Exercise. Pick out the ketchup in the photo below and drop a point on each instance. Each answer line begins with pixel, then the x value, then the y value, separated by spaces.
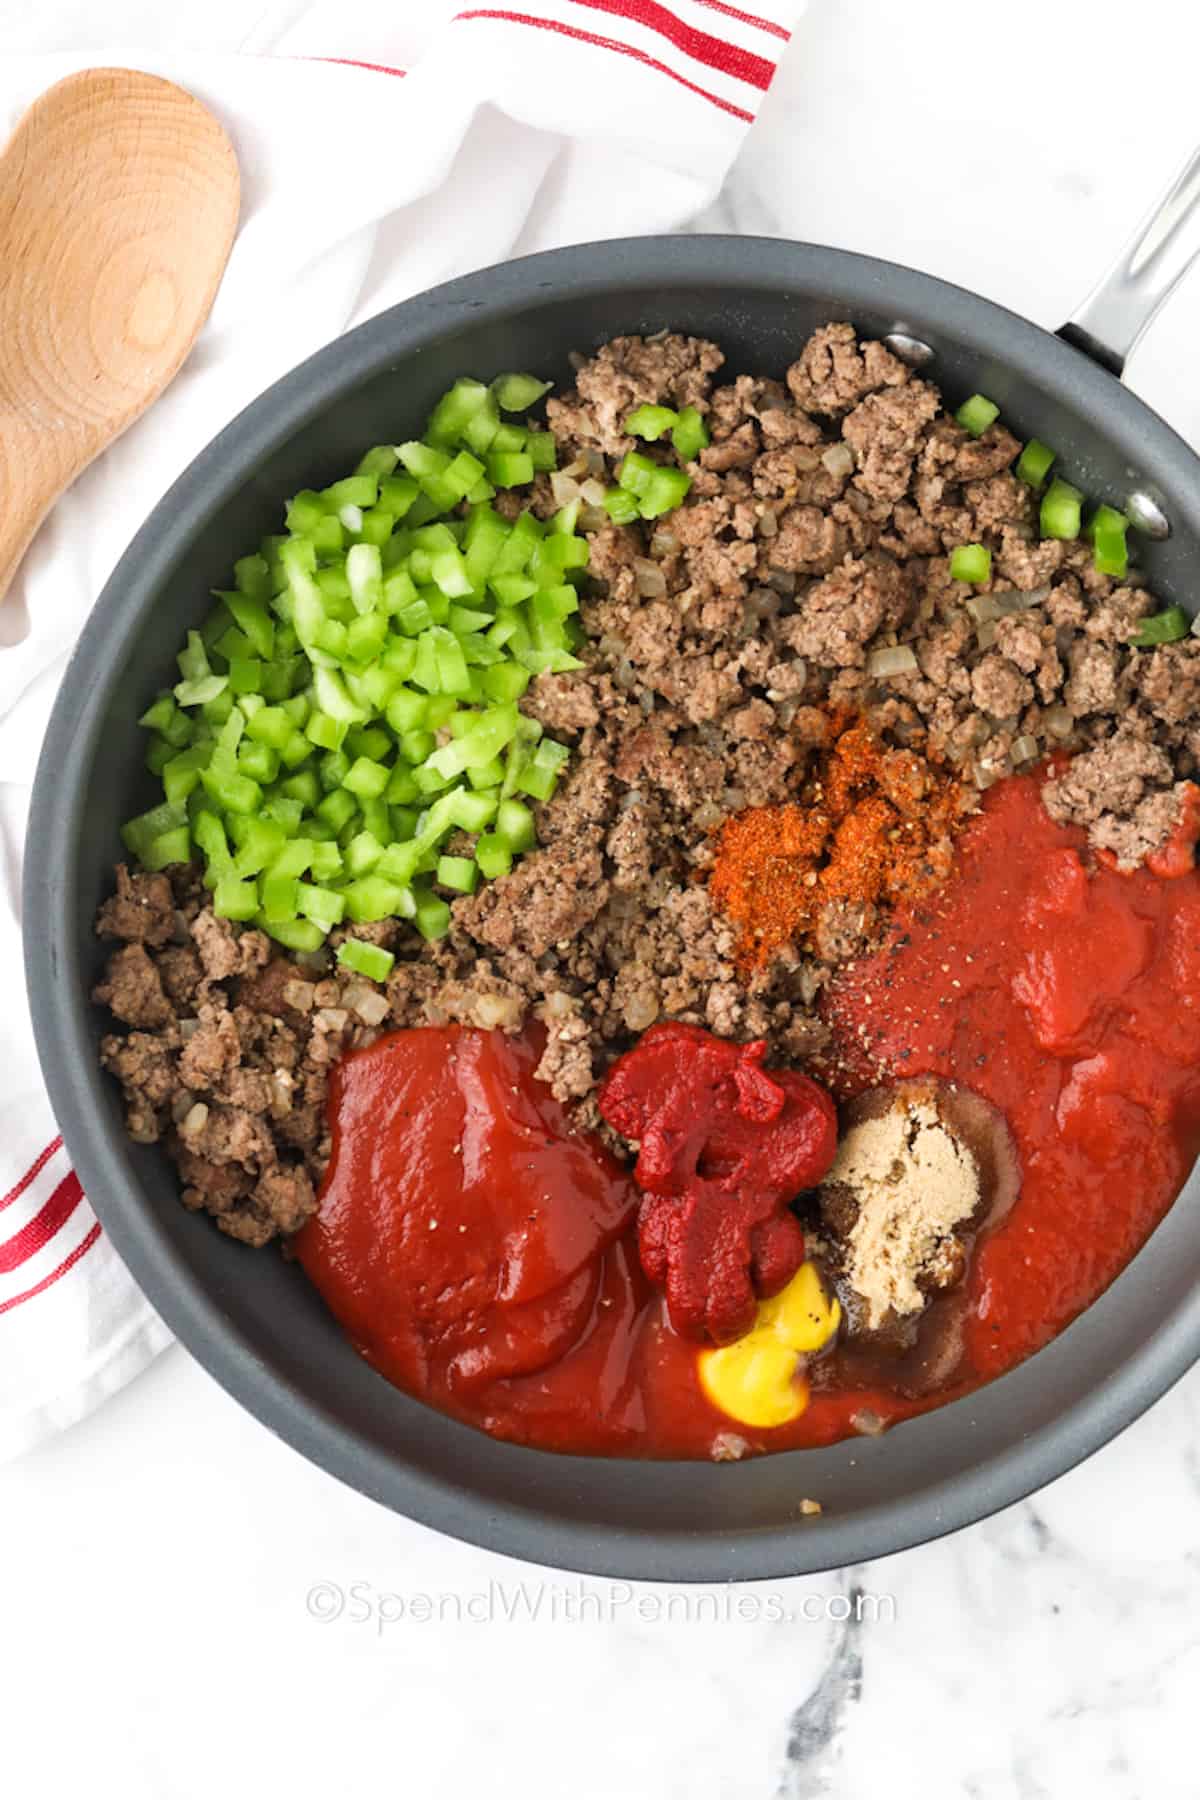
pixel 725 1146
pixel 462 1230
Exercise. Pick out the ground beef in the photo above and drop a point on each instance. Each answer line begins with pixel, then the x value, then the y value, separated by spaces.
pixel 212 1049
pixel 885 432
pixel 227 1060
pixel 816 534
pixel 840 615
pixel 834 371
pixel 629 372
pixel 142 911
pixel 998 686
pixel 550 897
pixel 133 991
pixel 1124 791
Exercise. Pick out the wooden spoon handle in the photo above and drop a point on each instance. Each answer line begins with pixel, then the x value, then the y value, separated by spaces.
pixel 35 467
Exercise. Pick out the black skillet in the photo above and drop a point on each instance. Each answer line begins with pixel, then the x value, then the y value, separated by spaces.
pixel 252 1320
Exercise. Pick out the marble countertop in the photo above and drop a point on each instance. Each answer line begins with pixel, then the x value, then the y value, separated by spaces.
pixel 188 1608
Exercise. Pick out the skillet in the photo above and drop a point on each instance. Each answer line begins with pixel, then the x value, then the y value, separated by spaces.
pixel 253 1321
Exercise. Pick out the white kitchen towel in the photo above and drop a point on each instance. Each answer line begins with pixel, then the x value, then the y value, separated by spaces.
pixel 470 134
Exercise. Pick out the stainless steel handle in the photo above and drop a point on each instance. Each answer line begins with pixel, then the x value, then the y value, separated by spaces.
pixel 1152 263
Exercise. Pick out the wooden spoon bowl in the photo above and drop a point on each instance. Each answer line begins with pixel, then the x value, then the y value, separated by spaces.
pixel 118 207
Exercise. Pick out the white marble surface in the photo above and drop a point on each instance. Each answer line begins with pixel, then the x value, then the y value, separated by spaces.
pixel 155 1638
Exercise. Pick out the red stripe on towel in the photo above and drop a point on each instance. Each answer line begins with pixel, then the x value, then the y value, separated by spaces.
pixel 603 43
pixel 352 62
pixel 35 1235
pixel 701 46
pixel 32 1172
pixel 745 18
pixel 81 1249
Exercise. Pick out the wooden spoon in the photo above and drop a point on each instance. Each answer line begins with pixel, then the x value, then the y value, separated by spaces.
pixel 118 207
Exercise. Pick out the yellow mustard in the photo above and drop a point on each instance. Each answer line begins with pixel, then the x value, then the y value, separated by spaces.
pixel 759 1379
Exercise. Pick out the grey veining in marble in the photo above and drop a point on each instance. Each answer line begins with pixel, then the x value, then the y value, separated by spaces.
pixel 816 1728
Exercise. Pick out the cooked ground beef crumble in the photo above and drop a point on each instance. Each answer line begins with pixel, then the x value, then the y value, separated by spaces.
pixel 816 534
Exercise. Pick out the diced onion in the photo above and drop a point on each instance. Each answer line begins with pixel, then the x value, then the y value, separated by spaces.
pixel 333 1018
pixel 593 518
pixel 893 659
pixel 663 543
pixel 1025 748
pixel 985 634
pixel 1058 722
pixel 592 492
pixel 762 603
pixel 195 1120
pixel 983 607
pixel 497 1012
pixel 640 1012
pixel 564 487
pixel 768 524
pixel 650 579
pixel 365 1000
pixel 867 1422
pixel 811 980
pixel 595 462
pixel 557 1005
pixel 299 995
pixel 188 1029
pixel 838 460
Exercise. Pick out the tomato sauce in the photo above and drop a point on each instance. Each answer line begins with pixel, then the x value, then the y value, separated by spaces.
pixel 485 1259
pixel 1068 994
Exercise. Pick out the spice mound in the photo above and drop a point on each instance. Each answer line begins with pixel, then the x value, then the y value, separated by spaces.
pixel 919 1167
pixel 724 1146
pixel 873 827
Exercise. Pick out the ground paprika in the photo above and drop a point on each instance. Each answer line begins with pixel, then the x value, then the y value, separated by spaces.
pixel 872 828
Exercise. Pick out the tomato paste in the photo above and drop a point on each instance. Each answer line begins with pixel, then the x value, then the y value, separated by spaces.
pixel 724 1147
pixel 486 1259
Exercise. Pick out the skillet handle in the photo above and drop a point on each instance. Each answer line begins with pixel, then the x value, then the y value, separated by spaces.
pixel 1157 257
